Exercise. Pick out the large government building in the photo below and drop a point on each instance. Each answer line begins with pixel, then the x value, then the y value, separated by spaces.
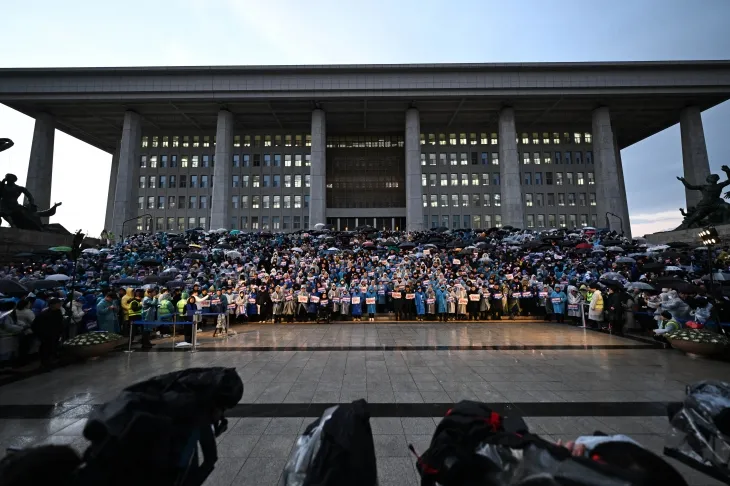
pixel 282 148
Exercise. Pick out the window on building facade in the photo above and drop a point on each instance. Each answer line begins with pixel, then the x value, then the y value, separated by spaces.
pixel 475 179
pixel 485 158
pixel 256 181
pixel 153 161
pixel 465 200
pixel 433 201
pixel 527 178
pixel 539 200
pixel 171 202
pixel 463 159
pixel 551 199
pixel 551 220
pixel 266 202
pixel 576 138
pixel 485 179
pixel 181 202
pixel 287 180
pixel 579 178
pixel 540 220
pixel 464 179
pixel 577 157
pixel 266 181
pixel 548 178
pixel 561 220
pixel 591 178
pixel 432 180
pixel 204 181
pixel 152 182
pixel 535 138
pixel 568 158
pixel 495 178
pixel 203 202
pixel 423 159
pixel 442 159
pixel 454 179
pixel 569 178
pixel 571 199
pixel 276 181
pixel 476 200
pixel 545 138
pixel 143 162
pixel 528 199
pixel 193 181
pixel 558 178
pixel 235 181
pixel 444 200
pixel 424 200
pixel 526 158
pixel 525 138
pixel 255 202
pixel 582 199
pixel 487 200
pixel 297 180
pixel 497 199
pixel 530 221
pixel 424 180
pixel 589 157
pixel 140 202
pixel 558 159
pixel 495 158
pixel 192 202
pixel 536 158
pixel 584 220
pixel 546 158
pixel 455 200
pixel 297 202
pixel 561 199
pixel 452 139
pixel 163 182
pixel 142 180
pixel 286 222
pixel 205 161
pixel 452 159
pixel 538 178
pixel 173 161
pixel 235 202
pixel 592 198
pixel 444 180
pixel 287 202
pixel 306 200
pixel 462 139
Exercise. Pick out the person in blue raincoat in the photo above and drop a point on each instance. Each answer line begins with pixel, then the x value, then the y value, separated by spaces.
pixel 252 310
pixel 313 306
pixel 356 301
pixel 558 298
pixel 106 314
pixel 372 308
pixel 441 306
pixel 420 304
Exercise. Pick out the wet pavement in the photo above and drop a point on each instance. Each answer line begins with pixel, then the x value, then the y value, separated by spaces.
pixel 565 381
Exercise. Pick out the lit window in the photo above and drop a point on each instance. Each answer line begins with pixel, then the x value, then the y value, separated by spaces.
pixel 277 141
pixel 472 139
pixel 546 138
pixel 140 202
pixel 463 159
pixel 561 199
pixel 287 202
pixel 143 162
pixel 247 140
pixel 546 158
pixel 423 180
pixel 487 200
pixel 536 158
pixel 152 182
pixel 432 180
pixel 256 181
pixel 556 140
pixel 307 160
pixel 591 179
pixel 497 200
pixel 455 200
pixel 442 139
pixel 579 177
pixel 528 199
pixel 561 219
pixel 166 143
pixel 475 179
pixel 194 161
pixel 145 141
pixel 485 179
pixel 267 140
pixel 434 201
pixel 206 141
pixel 558 178
pixel 442 159
pixel 454 179
pixel 452 139
pixel 297 180
pixel 423 159
pixel 525 139
pixel 483 138
pixel 424 199
pixel 526 158
pixel 465 200
pixel 297 160
pixel 464 179
pixel 576 137
pixel 462 139
pixel 587 137
pixel 431 139
pixel 151 202
pixel 494 138
pixel 452 159
pixel 266 202
pixel 236 140
pixel 297 202
pixel 175 141
pixel 535 138
pixel 495 158
pixel 444 200
pixel 256 202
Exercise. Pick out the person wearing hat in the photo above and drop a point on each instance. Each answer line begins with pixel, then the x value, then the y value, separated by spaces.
pixel 595 309
pixel 558 298
pixel 48 328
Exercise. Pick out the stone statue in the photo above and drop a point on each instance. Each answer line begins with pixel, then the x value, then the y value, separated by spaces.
pixel 711 209
pixel 19 216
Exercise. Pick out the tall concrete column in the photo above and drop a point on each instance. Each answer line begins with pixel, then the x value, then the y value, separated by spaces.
pixel 414 200
pixel 109 217
pixel 220 206
pixel 318 169
pixel 513 210
pixel 694 152
pixel 40 165
pixel 610 192
pixel 127 188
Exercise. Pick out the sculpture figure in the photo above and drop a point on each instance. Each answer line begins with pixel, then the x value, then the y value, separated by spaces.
pixel 17 215
pixel 711 209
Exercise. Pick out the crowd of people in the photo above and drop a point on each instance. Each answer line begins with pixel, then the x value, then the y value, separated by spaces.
pixel 582 276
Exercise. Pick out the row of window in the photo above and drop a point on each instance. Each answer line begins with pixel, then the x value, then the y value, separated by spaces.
pixel 487 158
pixel 489 200
pixel 535 138
pixel 483 138
pixel 238 160
pixel 196 141
pixel 487 221
pixel 270 180
pixel 278 223
pixel 203 181
pixel 237 202
pixel 484 179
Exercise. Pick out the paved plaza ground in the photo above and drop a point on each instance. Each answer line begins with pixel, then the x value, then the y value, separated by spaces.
pixel 565 381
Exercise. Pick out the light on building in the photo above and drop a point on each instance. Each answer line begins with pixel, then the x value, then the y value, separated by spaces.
pixel 709 236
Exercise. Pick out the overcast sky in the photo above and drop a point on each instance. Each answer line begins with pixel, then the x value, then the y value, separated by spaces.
pixel 47 33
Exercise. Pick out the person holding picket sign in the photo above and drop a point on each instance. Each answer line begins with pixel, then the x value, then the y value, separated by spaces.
pixel 370 300
pixel 558 298
pixel 356 304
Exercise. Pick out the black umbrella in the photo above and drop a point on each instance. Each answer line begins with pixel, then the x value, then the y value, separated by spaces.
pixel 652 267
pixel 406 245
pixel 151 279
pixel 9 286
pixel 225 246
pixel 552 238
pixel 611 283
pixel 24 254
pixel 45 284
pixel 678 244
pixel 175 284
pixel 611 243
pixel 483 244
pixel 456 244
pixel 195 256
pixel 671 254
pixel 180 247
pixel 466 252
pixel 440 229
pixel 149 262
pixel 508 227
pixel 128 281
